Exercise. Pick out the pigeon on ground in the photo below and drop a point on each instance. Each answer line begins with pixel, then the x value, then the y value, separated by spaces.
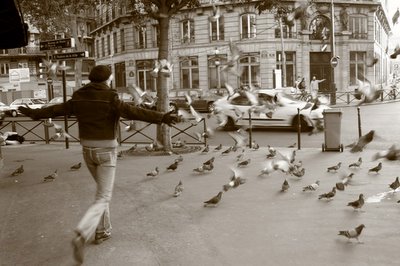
pixel 235 180
pixel 292 145
pixel 254 146
pixel 206 149
pixel 210 161
pixel 154 172
pixel 312 187
pixel 362 142
pixel 335 167
pixel 395 184
pixel 285 186
pixel 18 171
pixel 178 189
pixel 376 169
pixel 353 233
pixel 208 167
pixel 173 166
pixel 346 180
pixel 272 152
pixel 244 163
pixel 328 195
pixel 219 147
pixel 357 204
pixel 299 172
pixel 76 166
pixel 240 157
pixel 214 200
pixel 356 164
pixel 50 177
pixel 228 150
pixel 199 169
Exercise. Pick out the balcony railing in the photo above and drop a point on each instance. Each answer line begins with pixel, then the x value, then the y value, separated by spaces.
pixel 30 50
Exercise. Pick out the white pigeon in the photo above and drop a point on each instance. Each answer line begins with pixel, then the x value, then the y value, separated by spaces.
pixel 312 187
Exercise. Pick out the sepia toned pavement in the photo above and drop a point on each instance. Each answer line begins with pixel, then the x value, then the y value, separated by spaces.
pixel 254 224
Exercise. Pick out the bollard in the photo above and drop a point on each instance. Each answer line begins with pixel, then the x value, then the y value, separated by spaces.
pixel 298 129
pixel 205 132
pixel 359 122
pixel 250 130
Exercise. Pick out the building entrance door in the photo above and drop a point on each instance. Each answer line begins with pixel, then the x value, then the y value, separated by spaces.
pixel 320 68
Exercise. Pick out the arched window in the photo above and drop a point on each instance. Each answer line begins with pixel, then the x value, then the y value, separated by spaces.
pixel 320 28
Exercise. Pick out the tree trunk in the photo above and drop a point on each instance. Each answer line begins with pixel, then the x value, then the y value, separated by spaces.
pixel 163 131
pixel 283 54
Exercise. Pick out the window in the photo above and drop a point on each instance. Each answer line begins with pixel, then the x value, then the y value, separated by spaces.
pixel 141 38
pixel 189 72
pixel 115 42
pixel 217 29
pixel 145 80
pixel 4 68
pixel 358 27
pixel 250 65
pixel 120 75
pixel 103 48
pixel 289 29
pixel 290 66
pixel 23 65
pixel 122 40
pixel 319 27
pixel 3 51
pixel 156 35
pixel 357 67
pixel 187 30
pixel 108 45
pixel 216 79
pixel 98 48
pixel 248 26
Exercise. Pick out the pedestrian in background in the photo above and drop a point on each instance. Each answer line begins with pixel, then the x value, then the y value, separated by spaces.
pixel 98 109
pixel 314 86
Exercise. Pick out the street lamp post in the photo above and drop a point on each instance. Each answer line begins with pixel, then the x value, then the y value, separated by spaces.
pixel 333 56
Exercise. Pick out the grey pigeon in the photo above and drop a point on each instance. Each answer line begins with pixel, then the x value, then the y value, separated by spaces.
pixel 362 142
pixel 356 164
pixel 328 195
pixel 173 166
pixel 285 186
pixel 357 204
pixel 335 167
pixel 395 185
pixel 214 200
pixel 376 169
pixel 353 233
pixel 312 187
pixel 178 189
pixel 76 166
pixel 18 171
pixel 50 177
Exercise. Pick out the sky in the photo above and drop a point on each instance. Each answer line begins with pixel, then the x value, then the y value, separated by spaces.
pixel 392 7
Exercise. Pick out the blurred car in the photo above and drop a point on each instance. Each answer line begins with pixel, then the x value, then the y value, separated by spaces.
pixel 273 108
pixel 33 103
pixel 199 103
pixel 56 100
pixel 5 109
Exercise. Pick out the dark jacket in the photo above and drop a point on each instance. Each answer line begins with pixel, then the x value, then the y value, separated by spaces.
pixel 98 110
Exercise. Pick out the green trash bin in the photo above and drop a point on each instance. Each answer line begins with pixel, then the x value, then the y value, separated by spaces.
pixel 332 128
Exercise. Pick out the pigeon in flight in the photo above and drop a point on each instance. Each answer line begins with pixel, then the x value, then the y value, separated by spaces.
pixel 390 154
pixel 244 163
pixel 362 142
pixel 53 68
pixel 367 90
pixel 216 13
pixel 353 233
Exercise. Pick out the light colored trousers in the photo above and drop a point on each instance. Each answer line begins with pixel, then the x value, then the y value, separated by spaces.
pixel 101 163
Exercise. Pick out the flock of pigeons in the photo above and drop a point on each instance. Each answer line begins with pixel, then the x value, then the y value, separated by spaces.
pixel 278 161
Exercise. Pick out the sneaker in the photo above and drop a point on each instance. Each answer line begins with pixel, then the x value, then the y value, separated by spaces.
pixel 78 244
pixel 100 237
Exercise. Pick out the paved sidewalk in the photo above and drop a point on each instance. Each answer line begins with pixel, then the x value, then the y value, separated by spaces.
pixel 255 224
